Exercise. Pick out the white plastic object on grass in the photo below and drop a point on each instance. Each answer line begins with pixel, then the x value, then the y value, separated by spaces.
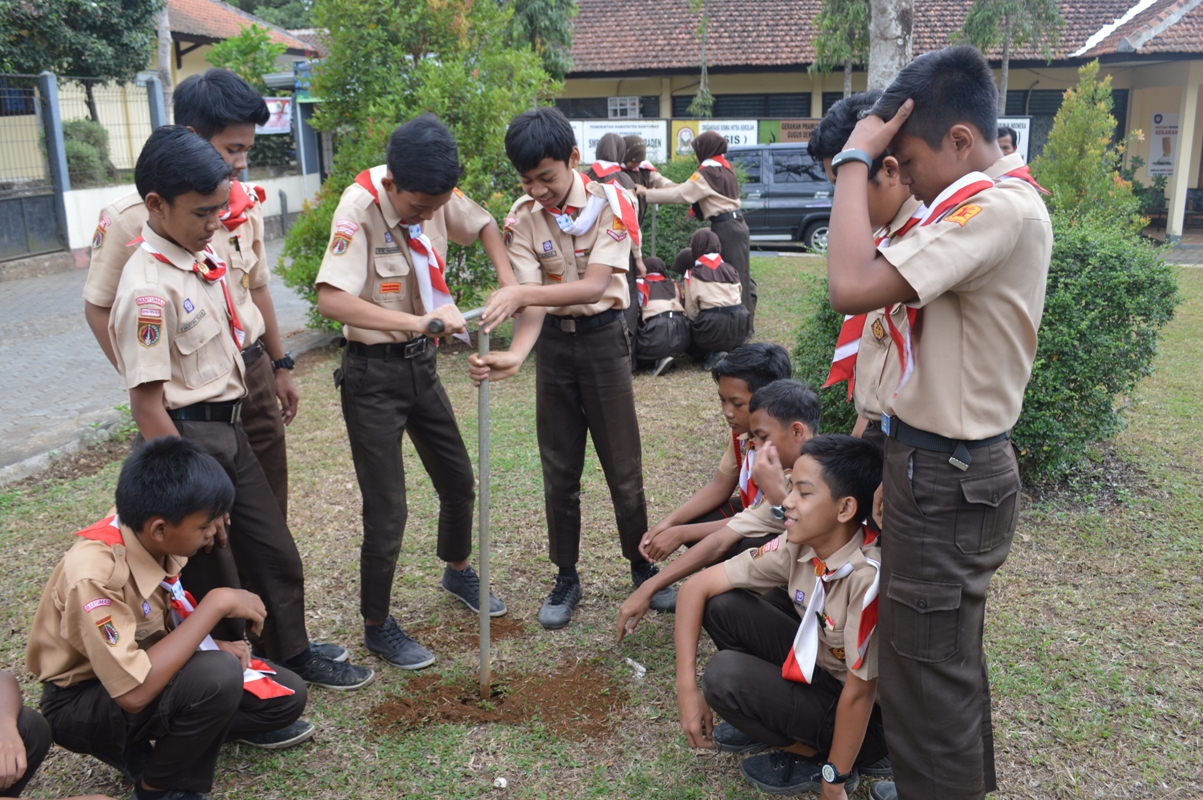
pixel 500 783
pixel 640 670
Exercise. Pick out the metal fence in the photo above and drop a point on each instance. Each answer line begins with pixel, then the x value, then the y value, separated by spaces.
pixel 23 168
pixel 105 125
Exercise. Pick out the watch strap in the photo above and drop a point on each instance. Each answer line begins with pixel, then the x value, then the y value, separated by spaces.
pixel 832 775
pixel 851 154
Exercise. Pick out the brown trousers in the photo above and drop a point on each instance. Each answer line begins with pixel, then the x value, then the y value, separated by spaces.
pixel 945 534
pixel 733 234
pixel 261 556
pixel 383 399
pixel 264 426
pixel 583 385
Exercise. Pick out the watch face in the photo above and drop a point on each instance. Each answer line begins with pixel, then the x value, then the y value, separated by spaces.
pixel 829 773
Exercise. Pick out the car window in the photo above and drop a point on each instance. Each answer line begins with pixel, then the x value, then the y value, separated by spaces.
pixel 796 167
pixel 749 161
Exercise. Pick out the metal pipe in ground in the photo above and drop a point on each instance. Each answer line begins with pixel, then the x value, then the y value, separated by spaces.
pixel 483 471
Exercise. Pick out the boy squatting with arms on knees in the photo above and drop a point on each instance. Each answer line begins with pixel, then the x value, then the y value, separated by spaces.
pixel 806 687
pixel 382 277
pixel 784 416
pixel 177 335
pixel 973 274
pixel 124 656
pixel 569 242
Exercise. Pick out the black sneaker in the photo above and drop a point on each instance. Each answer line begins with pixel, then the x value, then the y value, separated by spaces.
pixel 665 600
pixel 557 611
pixel 886 790
pixel 465 587
pixel 334 652
pixel 779 772
pixel 662 366
pixel 731 739
pixel 338 675
pixel 881 768
pixel 394 645
pixel 294 734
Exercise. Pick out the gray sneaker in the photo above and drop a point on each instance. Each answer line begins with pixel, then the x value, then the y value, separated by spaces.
pixel 665 600
pixel 394 645
pixel 779 772
pixel 465 587
pixel 557 611
pixel 881 768
pixel 662 366
pixel 884 791
pixel 334 652
pixel 288 736
pixel 731 739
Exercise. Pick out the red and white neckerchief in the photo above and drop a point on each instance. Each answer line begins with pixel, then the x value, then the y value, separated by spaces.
pixel 604 168
pixel 645 291
pixel 429 267
pixel 647 165
pixel 1025 175
pixel 749 492
pixel 211 268
pixel 945 203
pixel 255 678
pixel 242 197
pixel 717 161
pixel 847 344
pixel 618 201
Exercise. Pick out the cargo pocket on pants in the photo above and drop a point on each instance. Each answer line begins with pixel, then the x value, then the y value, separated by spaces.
pixel 926 618
pixel 991 511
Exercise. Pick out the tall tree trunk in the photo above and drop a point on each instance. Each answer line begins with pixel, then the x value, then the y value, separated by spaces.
pixel 847 77
pixel 1004 73
pixel 164 61
pixel 889 39
pixel 90 100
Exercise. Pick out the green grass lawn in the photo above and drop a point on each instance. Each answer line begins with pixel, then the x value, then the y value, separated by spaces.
pixel 1093 630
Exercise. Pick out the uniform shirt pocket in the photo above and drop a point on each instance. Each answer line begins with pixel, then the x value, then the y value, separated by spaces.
pixel 202 357
pixel 553 270
pixel 389 280
pixel 990 511
pixel 926 618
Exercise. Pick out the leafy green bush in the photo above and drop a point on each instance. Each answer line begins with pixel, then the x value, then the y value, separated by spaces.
pixel 814 345
pixel 250 55
pixel 85 167
pixel 674 224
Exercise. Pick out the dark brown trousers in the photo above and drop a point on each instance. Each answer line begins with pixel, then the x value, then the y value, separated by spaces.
pixel 382 399
pixel 945 533
pixel 583 385
pixel 264 426
pixel 261 556
pixel 202 705
pixel 733 234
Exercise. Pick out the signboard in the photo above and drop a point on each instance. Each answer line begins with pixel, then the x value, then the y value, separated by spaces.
pixel 798 130
pixel 1023 133
pixel 653 131
pixel 1163 147
pixel 684 132
pixel 280 120
pixel 735 131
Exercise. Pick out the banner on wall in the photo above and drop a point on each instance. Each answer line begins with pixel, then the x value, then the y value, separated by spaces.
pixel 654 132
pixel 735 131
pixel 280 120
pixel 1163 147
pixel 1023 133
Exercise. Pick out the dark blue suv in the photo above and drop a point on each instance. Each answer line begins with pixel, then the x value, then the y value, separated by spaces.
pixel 786 195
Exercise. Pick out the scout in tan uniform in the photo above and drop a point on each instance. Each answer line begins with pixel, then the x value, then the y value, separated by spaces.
pixel 718 321
pixel 177 338
pixel 778 680
pixel 713 191
pixel 382 277
pixel 223 109
pixel 663 327
pixel 784 417
pixel 642 171
pixel 569 242
pixel 972 275
pixel 125 656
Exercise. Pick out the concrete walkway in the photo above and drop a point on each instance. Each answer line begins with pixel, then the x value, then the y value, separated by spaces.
pixel 60 393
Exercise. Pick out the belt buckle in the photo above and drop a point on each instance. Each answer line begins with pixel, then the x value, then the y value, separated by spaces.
pixel 568 325
pixel 415 348
pixel 960 457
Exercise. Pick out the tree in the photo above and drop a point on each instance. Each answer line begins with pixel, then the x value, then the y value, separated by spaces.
pixel 92 39
pixel 163 53
pixel 1012 24
pixel 250 55
pixel 289 14
pixel 546 25
pixel 889 39
pixel 843 38
pixel 703 101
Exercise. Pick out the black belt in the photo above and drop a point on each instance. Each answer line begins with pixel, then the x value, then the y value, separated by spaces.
pixel 669 314
pixel 723 309
pixel 228 413
pixel 726 215
pixel 251 354
pixel 924 440
pixel 411 349
pixel 582 324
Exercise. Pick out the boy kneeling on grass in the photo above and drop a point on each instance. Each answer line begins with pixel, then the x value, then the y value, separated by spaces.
pixel 124 654
pixel 808 689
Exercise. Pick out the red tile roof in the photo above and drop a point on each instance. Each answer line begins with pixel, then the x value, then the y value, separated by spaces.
pixel 213 19
pixel 314 37
pixel 779 33
pixel 1166 26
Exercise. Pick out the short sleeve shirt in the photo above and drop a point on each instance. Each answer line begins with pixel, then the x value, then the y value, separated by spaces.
pixel 729 464
pixel 695 190
pixel 784 563
pixel 170 324
pixel 100 611
pixel 368 255
pixel 980 277
pixel 120 223
pixel 758 520
pixel 541 253
pixel 243 251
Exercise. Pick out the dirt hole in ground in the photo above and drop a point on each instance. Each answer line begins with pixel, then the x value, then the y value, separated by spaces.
pixel 575 701
pixel 464 633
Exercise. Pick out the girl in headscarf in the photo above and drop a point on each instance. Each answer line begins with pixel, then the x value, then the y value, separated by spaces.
pixel 718 321
pixel 664 328
pixel 713 191
pixel 641 171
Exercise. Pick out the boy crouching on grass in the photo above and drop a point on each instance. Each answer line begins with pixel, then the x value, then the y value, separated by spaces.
pixel 808 689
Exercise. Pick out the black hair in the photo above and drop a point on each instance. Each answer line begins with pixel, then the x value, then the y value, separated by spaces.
pixel 832 132
pixel 950 87
pixel 757 364
pixel 535 135
pixel 172 478
pixel 1005 131
pixel 175 161
pixel 788 401
pixel 851 467
pixel 216 99
pixel 423 157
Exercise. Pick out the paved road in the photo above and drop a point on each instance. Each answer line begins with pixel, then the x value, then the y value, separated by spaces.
pixel 59 389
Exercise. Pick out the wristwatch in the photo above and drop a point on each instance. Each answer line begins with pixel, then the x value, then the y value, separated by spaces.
pixel 778 512
pixel 832 775
pixel 284 363
pixel 851 154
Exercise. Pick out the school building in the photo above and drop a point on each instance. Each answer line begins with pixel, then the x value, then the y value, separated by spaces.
pixel 636 65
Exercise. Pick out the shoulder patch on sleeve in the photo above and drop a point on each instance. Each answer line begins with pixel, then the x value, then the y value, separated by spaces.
pixel 108 631
pixel 963 215
pixel 150 300
pixel 457 192
pixel 694 176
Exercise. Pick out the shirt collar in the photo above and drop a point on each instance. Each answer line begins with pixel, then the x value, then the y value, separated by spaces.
pixel 577 196
pixel 391 217
pixel 840 557
pixel 1004 165
pixel 905 212
pixel 178 256
pixel 147 572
